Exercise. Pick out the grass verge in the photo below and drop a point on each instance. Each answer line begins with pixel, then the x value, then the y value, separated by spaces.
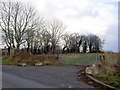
pixel 109 70
pixel 6 62
pixel 48 59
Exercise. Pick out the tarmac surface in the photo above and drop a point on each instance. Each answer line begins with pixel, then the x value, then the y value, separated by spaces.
pixel 41 77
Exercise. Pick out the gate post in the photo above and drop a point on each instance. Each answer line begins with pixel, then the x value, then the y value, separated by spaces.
pixel 97 58
pixel 59 58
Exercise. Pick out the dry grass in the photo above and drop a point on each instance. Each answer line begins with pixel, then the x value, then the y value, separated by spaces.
pixel 109 70
pixel 49 59
pixel 111 62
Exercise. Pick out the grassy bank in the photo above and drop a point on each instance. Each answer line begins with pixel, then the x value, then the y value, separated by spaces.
pixel 109 69
pixel 49 59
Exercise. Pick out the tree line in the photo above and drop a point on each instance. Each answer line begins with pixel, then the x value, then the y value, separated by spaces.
pixel 82 43
pixel 23 28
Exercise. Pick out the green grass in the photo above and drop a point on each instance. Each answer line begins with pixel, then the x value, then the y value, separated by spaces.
pixel 79 59
pixel 6 61
pixel 111 78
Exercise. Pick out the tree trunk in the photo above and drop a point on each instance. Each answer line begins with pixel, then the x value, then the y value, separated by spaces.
pixel 28 47
pixel 18 47
pixel 90 48
pixel 53 49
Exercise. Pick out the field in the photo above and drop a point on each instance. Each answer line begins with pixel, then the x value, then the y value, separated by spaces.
pixel 79 59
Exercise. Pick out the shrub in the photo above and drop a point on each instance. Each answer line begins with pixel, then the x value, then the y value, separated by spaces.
pixel 48 59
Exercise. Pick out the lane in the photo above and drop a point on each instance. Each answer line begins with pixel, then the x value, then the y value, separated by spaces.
pixel 54 76
pixel 12 81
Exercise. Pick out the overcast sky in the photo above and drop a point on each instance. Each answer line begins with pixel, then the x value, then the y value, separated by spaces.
pixel 84 16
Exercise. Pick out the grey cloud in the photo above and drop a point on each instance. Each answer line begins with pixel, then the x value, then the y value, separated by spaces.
pixel 111 38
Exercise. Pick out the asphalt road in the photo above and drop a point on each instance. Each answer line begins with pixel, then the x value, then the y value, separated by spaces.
pixel 41 77
pixel 12 81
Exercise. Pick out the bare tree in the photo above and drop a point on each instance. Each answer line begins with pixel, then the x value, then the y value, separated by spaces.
pixel 79 39
pixel 75 41
pixel 33 32
pixel 55 29
pixel 66 39
pixel 5 20
pixel 85 43
pixel 95 43
pixel 98 43
pixel 19 19
pixel 46 41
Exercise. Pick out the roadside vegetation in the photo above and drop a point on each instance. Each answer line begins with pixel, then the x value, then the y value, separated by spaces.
pixel 6 62
pixel 109 69
pixel 48 59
